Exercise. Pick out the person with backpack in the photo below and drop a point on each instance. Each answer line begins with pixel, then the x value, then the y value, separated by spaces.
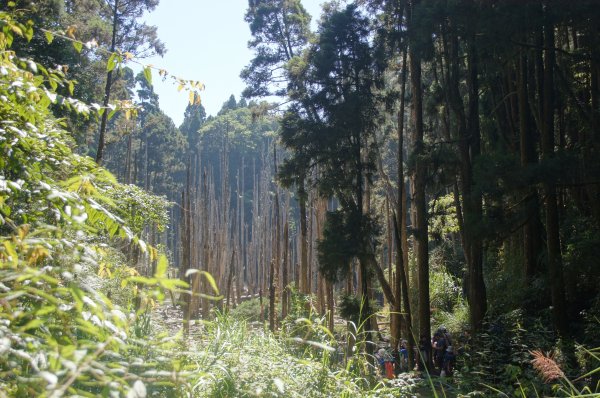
pixel 449 362
pixel 446 335
pixel 423 354
pixel 439 345
pixel 403 357
pixel 385 362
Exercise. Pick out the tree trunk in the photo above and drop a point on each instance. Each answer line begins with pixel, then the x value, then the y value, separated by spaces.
pixel 420 202
pixel 478 304
pixel 400 233
pixel 107 88
pixel 552 223
pixel 284 273
pixel 303 241
pixel 272 321
pixel 230 279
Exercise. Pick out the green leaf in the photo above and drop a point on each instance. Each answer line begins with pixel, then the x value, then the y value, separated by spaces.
pixel 78 46
pixel 112 62
pixel 45 310
pixel 49 37
pixel 211 281
pixel 148 75
pixel 142 280
pixel 10 249
pixel 28 33
pixel 172 284
pixel 161 268
pixel 34 323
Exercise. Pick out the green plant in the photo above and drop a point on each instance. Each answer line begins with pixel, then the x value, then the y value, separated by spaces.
pixel 499 357
pixel 60 227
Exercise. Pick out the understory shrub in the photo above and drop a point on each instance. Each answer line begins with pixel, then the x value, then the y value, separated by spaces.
pixel 500 357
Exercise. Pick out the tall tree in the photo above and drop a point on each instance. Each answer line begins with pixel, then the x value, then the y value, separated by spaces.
pixel 280 31
pixel 131 36
pixel 419 178
pixel 340 77
pixel 555 271
pixel 193 119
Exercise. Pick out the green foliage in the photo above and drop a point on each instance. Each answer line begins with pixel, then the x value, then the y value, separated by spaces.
pixel 445 288
pixel 234 360
pixel 140 208
pixel 194 117
pixel 280 30
pixel 443 221
pixel 350 308
pixel 248 311
pixel 582 259
pixel 300 304
pixel 241 138
pixel 500 356
pixel 59 217
pixel 504 280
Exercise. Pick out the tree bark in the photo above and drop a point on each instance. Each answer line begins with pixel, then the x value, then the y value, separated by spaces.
pixel 473 198
pixel 303 241
pixel 531 230
pixel 107 88
pixel 555 271
pixel 400 233
pixel 284 273
pixel 420 202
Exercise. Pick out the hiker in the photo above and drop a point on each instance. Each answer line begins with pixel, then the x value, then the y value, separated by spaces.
pixel 403 356
pixel 386 363
pixel 449 362
pixel 446 335
pixel 424 351
pixel 439 345
pixel 380 357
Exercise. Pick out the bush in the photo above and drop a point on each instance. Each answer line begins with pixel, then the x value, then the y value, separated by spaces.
pixel 59 227
pixel 249 310
pixel 500 356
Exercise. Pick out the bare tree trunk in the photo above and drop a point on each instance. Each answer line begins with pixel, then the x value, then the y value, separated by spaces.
pixel 330 306
pixel 284 273
pixel 276 241
pixel 272 321
pixel 304 286
pixel 128 161
pixel 230 279
pixel 185 263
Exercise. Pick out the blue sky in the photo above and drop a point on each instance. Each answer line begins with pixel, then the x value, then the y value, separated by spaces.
pixel 206 41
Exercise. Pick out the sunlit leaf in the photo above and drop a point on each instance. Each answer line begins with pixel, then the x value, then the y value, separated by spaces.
pixel 33 324
pixel 112 62
pixel 211 281
pixel 161 267
pixel 148 75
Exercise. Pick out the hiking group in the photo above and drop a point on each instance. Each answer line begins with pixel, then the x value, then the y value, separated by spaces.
pixel 440 347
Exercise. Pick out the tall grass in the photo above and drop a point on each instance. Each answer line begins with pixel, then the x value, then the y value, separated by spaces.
pixel 233 360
